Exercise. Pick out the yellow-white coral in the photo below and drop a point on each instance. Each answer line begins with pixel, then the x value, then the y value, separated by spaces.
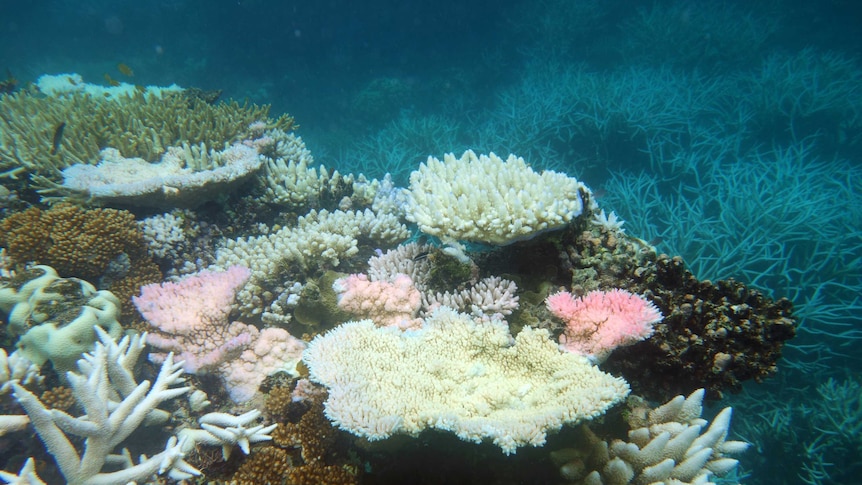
pixel 485 199
pixel 456 375
pixel 290 177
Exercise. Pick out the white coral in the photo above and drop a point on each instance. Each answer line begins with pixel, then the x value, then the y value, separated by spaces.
pixel 227 431
pixel 114 406
pixel 486 199
pixel 671 448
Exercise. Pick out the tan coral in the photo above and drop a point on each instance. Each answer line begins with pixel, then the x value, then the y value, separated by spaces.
pixel 136 125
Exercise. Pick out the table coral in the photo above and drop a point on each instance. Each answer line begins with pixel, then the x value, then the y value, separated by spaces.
pixel 456 375
pixel 136 125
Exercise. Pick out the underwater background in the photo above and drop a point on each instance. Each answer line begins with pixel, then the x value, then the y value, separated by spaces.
pixel 726 132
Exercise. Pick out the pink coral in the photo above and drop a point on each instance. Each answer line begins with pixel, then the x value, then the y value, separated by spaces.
pixel 601 321
pixel 394 303
pixel 190 318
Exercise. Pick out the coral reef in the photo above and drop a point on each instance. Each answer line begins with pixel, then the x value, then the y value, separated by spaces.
pixel 319 241
pixel 714 334
pixel 190 317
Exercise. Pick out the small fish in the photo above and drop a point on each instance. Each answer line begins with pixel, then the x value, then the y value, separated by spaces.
pixel 125 70
pixel 111 81
pixel 421 256
pixel 58 137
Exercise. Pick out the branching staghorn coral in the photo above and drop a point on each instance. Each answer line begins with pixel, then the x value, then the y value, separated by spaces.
pixel 114 406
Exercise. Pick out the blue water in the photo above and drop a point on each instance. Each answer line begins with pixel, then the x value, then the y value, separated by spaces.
pixel 726 132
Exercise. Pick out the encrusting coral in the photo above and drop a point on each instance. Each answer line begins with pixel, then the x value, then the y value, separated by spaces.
pixel 56 318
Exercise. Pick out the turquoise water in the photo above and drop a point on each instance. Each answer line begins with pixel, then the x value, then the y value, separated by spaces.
pixel 729 133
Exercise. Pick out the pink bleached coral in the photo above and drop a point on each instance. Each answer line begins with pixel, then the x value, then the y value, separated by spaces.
pixel 190 318
pixel 273 350
pixel 601 321
pixel 388 304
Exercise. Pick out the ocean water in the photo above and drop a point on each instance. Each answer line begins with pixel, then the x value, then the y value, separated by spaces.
pixel 726 132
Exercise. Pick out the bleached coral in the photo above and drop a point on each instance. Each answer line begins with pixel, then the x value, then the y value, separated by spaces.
pixel 186 176
pixel 490 298
pixel 388 303
pixel 486 199
pixel 167 235
pixel 608 222
pixel 290 178
pixel 456 375
pixel 55 85
pixel 410 259
pixel 227 431
pixel 319 240
pixel 272 350
pixel 17 368
pixel 33 300
pixel 114 406
pixel 670 446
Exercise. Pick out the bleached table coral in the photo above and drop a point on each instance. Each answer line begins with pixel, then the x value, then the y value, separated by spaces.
pixel 456 375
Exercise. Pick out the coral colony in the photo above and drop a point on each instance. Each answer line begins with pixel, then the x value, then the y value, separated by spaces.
pixel 311 338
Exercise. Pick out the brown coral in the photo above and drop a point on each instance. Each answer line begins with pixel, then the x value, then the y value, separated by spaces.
pixel 304 448
pixel 74 241
pixel 714 334
pixel 59 398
